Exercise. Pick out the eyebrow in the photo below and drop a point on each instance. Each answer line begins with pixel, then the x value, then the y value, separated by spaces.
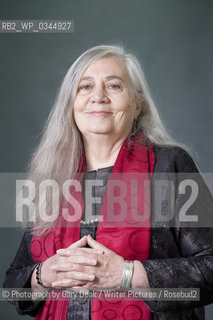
pixel 106 78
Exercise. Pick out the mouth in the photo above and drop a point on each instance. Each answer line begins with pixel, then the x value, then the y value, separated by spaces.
pixel 99 113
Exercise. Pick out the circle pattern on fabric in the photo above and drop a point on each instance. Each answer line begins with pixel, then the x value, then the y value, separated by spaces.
pixel 133 240
pixel 109 314
pixel 36 248
pixel 50 238
pixel 114 232
pixel 132 312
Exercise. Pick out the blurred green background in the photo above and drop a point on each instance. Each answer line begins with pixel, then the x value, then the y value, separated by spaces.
pixel 172 39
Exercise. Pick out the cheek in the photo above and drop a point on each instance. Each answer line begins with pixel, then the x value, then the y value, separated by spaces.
pixel 76 106
pixel 79 103
pixel 76 114
pixel 121 104
pixel 78 118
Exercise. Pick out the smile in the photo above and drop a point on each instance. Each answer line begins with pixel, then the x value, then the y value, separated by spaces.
pixel 99 113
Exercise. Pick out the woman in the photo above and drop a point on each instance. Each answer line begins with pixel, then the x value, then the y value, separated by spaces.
pixel 105 126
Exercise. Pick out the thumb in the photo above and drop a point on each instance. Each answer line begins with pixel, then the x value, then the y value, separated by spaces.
pixel 96 245
pixel 78 244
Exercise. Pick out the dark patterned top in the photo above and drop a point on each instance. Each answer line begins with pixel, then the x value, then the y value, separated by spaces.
pixel 80 308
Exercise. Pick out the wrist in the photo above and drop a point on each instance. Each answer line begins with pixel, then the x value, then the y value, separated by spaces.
pixel 39 278
pixel 139 277
pixel 127 275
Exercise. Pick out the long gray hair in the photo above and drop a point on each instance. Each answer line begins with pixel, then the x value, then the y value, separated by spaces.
pixel 61 146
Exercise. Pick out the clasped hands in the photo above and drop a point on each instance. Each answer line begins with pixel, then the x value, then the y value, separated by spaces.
pixel 82 267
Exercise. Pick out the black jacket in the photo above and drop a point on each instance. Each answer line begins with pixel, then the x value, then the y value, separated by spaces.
pixel 180 256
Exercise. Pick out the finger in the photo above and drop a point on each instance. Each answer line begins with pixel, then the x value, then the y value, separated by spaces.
pixel 62 267
pixel 78 251
pixel 84 260
pixel 67 283
pixel 74 275
pixel 80 243
pixel 96 245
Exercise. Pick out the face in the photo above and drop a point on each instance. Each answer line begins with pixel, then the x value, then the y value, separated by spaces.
pixel 103 103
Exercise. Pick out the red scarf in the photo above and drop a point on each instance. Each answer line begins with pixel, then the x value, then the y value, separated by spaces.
pixel 129 239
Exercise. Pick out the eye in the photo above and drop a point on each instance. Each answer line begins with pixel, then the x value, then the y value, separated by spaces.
pixel 86 87
pixel 114 86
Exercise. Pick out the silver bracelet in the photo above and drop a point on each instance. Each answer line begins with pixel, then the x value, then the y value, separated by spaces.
pixel 127 275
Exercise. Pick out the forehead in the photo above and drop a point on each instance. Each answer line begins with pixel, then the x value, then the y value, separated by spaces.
pixel 106 67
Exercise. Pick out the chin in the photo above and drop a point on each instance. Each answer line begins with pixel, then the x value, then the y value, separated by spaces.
pixel 100 130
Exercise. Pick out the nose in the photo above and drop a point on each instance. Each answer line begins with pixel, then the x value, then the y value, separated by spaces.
pixel 99 95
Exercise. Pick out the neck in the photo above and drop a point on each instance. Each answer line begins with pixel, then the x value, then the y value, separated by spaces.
pixel 101 152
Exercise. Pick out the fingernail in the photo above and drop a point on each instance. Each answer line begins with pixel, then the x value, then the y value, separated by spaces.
pixel 91 277
pixel 93 261
pixel 100 251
